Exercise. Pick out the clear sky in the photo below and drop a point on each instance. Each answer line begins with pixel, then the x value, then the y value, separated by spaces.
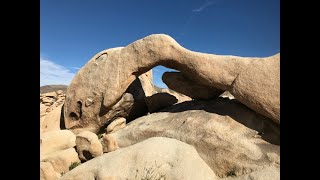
pixel 72 31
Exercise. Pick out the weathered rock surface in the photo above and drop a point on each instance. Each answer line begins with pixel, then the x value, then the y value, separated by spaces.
pixel 56 140
pixel 51 121
pixel 88 145
pixel 47 172
pixel 109 143
pixel 228 136
pixel 269 173
pixel 258 87
pixel 115 125
pixel 106 77
pixel 62 160
pixel 177 82
pixel 154 158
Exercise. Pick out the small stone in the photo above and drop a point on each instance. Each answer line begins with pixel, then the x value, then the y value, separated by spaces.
pixel 59 92
pixel 89 102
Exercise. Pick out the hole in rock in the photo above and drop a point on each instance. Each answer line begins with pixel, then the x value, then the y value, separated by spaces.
pixel 140 107
pixel 74 116
pixel 157 73
pixel 87 155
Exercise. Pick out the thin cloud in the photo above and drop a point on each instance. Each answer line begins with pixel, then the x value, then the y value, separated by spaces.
pixel 52 73
pixel 203 6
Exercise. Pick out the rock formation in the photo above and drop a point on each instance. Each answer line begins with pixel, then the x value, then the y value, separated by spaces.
pixel 154 158
pixel 219 118
pixel 227 135
pixel 105 78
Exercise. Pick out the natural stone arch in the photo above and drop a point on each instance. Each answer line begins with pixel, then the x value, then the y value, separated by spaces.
pixel 102 82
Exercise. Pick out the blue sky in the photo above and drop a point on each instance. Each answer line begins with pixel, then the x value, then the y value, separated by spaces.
pixel 72 31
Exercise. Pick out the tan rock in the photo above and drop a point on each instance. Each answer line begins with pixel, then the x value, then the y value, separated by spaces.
pixel 59 92
pixel 108 74
pixel 62 160
pixel 270 172
pixel 47 172
pixel 120 109
pixel 56 140
pixel 258 87
pixel 115 125
pixel 50 109
pixel 47 104
pixel 43 108
pixel 109 143
pixel 177 82
pixel 88 145
pixel 154 158
pixel 223 131
pixel 50 94
pixel 52 120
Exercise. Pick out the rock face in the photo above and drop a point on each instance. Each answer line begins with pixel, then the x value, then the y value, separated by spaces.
pixel 258 87
pixel 62 160
pixel 106 77
pixel 47 172
pixel 228 136
pixel 51 121
pixel 271 172
pixel 109 143
pixel 116 125
pixel 154 158
pixel 88 145
pixel 54 141
pixel 177 82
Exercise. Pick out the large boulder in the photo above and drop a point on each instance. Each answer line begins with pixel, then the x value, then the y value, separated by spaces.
pixel 88 145
pixel 56 140
pixel 52 120
pixel 229 136
pixel 62 160
pixel 154 158
pixel 106 77
pixel 47 172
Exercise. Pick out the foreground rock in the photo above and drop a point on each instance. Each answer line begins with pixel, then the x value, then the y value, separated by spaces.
pixel 108 74
pixel 88 145
pixel 47 172
pixel 228 136
pixel 154 158
pixel 54 141
pixel 269 173
pixel 62 160
pixel 109 143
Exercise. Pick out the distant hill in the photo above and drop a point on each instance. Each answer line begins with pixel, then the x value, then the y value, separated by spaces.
pixel 51 88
